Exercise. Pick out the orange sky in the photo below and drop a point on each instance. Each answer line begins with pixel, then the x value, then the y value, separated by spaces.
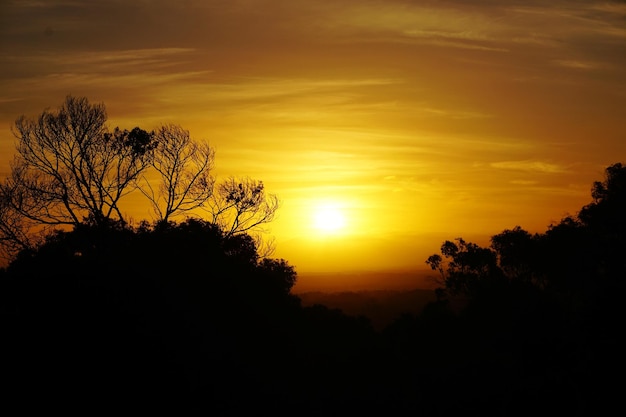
pixel 420 120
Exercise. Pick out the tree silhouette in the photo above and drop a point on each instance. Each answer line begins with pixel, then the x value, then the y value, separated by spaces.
pixel 171 310
pixel 184 167
pixel 240 205
pixel 517 251
pixel 70 169
pixel 190 312
pixel 14 228
pixel 605 219
pixel 552 316
pixel 277 274
pixel 465 267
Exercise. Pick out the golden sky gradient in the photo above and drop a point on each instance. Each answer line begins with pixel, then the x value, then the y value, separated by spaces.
pixel 419 121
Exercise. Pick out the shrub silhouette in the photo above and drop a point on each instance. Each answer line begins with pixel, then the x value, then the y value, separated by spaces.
pixel 162 306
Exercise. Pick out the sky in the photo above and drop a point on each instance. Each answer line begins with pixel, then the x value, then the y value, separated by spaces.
pixel 410 122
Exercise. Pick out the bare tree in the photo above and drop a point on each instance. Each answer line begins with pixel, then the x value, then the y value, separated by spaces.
pixel 14 229
pixel 69 168
pixel 242 206
pixel 184 166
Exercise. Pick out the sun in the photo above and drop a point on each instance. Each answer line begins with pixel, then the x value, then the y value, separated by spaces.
pixel 328 219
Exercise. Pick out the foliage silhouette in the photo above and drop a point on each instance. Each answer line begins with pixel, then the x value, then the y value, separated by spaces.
pixel 578 256
pixel 548 316
pixel 166 307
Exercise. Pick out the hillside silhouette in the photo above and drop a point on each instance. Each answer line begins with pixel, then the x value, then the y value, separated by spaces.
pixel 190 316
pixel 185 317
pixel 380 307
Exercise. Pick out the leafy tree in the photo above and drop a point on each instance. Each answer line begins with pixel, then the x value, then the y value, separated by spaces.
pixel 465 267
pixel 579 256
pixel 517 252
pixel 582 255
pixel 565 256
pixel 171 309
pixel 613 189
pixel 277 274
pixel 605 219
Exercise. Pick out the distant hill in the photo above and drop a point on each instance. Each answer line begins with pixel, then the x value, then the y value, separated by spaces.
pixel 381 306
pixel 354 281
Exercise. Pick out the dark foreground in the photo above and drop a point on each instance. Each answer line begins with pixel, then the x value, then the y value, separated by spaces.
pixel 133 343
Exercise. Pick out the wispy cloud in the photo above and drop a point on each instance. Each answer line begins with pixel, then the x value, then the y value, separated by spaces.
pixel 524 182
pixel 100 61
pixel 452 114
pixel 420 22
pixel 530 166
pixel 580 65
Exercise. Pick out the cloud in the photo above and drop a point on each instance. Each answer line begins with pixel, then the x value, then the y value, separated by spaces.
pixel 416 21
pixel 101 60
pixel 529 166
pixel 579 65
pixel 523 182
pixel 452 114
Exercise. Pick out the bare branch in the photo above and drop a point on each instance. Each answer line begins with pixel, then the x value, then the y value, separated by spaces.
pixel 184 166
pixel 241 206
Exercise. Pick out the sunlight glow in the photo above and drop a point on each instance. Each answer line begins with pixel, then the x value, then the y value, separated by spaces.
pixel 328 219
